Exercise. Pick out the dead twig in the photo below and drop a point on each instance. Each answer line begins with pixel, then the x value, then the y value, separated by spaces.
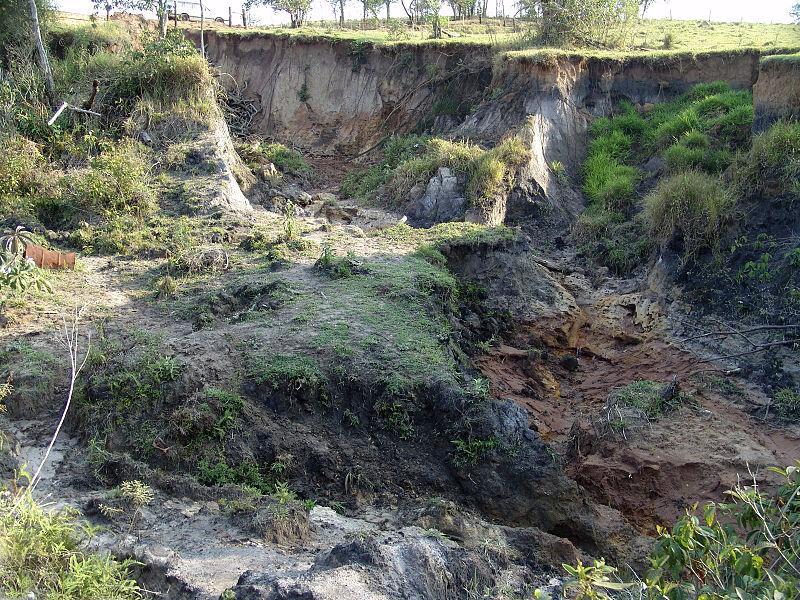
pixel 70 340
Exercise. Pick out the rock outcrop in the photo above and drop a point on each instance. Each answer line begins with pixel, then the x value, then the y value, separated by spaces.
pixel 443 200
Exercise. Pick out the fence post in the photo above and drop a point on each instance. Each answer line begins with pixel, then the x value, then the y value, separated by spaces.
pixel 202 28
pixel 244 16
pixel 230 17
pixel 175 12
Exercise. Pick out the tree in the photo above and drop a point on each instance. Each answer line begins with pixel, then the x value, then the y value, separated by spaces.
pixel 606 23
pixel 160 7
pixel 41 53
pixel 371 7
pixel 16 38
pixel 795 12
pixel 297 9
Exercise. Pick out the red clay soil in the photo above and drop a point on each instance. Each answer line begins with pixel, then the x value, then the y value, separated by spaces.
pixel 562 373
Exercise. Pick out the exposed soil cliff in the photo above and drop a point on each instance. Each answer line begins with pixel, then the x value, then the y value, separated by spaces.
pixel 776 94
pixel 342 97
pixel 332 97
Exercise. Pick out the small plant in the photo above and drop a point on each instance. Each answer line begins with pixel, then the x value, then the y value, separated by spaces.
pixel 14 242
pixel 786 405
pixel 560 171
pixel 291 228
pixel 303 94
pixel 396 417
pixel 283 494
pixel 351 419
pixel 469 452
pixel 480 387
pixel 136 495
pixel 758 270
pixel 337 267
pixel 167 287
pixel 593 582
pixel 668 42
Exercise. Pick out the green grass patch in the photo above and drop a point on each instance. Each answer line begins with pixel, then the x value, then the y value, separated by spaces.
pixel 412 160
pixel 648 397
pixel 285 159
pixel 699 132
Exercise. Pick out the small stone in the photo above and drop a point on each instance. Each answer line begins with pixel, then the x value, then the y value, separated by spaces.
pixel 191 511
pixel 325 198
pixel 569 362
pixel 354 230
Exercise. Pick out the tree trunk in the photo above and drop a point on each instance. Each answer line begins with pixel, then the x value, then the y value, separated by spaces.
pixel 108 12
pixel 341 13
pixel 388 16
pixel 44 63
pixel 163 17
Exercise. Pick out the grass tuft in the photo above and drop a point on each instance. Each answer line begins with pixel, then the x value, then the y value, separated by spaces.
pixel 693 205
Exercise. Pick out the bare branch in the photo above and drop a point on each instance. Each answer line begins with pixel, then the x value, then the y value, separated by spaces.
pixel 70 340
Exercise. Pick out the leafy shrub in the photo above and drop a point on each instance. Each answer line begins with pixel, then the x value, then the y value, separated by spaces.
pixel 693 205
pixel 21 180
pixel 117 182
pixel 413 160
pixel 397 29
pixel 748 547
pixel 582 22
pixel 44 552
pixel 220 473
pixel 787 404
pixel 362 184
